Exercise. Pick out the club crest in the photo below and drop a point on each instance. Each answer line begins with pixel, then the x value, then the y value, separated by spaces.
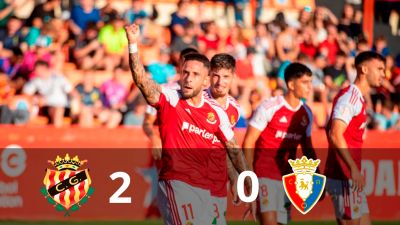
pixel 67 188
pixel 304 187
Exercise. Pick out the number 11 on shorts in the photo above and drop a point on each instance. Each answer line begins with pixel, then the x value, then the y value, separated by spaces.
pixel 191 211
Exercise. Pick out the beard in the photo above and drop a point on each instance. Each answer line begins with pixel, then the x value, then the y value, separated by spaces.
pixel 193 93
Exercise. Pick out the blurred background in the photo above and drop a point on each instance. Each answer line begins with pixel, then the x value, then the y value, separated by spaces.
pixel 82 76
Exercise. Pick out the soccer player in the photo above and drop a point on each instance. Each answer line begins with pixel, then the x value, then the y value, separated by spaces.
pixel 151 113
pixel 276 129
pixel 189 125
pixel 222 74
pixel 345 130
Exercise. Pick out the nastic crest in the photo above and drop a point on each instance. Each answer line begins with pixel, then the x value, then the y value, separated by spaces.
pixel 67 187
pixel 233 120
pixel 211 118
pixel 304 187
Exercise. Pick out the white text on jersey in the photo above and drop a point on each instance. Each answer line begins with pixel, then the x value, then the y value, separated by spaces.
pixel 280 134
pixel 201 132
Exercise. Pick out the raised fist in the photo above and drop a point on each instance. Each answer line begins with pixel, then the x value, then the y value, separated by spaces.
pixel 132 33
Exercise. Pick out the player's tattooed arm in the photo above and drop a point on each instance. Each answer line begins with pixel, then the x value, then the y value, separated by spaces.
pixel 238 160
pixel 232 175
pixel 150 89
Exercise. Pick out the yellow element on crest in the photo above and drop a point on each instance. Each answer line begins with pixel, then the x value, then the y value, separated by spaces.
pixel 67 163
pixel 304 164
pixel 265 201
pixel 355 208
pixel 233 119
pixel 211 117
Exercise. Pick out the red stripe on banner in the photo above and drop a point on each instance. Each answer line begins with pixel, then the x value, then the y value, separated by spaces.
pixel 291 191
pixel 82 191
pixel 174 201
pixel 169 201
pixel 72 191
pixel 51 179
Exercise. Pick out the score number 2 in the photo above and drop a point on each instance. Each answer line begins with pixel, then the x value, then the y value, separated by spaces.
pixel 127 180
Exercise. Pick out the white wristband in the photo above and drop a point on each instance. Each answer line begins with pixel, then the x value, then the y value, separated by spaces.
pixel 132 48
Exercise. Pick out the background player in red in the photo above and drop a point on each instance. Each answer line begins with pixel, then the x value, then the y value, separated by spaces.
pixel 345 130
pixel 222 75
pixel 276 129
pixel 189 125
pixel 151 113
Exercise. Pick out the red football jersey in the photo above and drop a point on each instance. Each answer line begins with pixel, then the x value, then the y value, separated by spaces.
pixel 188 134
pixel 282 129
pixel 348 106
pixel 218 172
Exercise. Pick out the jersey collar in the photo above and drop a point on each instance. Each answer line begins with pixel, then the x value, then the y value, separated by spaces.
pixel 212 97
pixel 201 103
pixel 290 107
pixel 358 91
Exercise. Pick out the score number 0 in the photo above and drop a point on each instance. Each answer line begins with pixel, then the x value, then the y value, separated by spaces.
pixel 127 180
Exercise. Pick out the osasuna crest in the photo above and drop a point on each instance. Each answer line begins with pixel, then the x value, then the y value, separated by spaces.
pixel 304 187
pixel 67 187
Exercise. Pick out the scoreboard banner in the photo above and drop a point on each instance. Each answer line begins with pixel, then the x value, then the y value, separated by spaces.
pixel 100 174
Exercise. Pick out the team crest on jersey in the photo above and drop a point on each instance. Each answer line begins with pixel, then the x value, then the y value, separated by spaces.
pixel 304 187
pixel 304 121
pixel 68 188
pixel 211 118
pixel 233 120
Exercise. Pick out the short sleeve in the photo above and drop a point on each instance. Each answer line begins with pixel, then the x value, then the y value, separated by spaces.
pixel 30 87
pixel 260 119
pixel 67 86
pixel 344 110
pixel 102 34
pixel 225 132
pixel 168 96
pixel 151 110
pixel 74 16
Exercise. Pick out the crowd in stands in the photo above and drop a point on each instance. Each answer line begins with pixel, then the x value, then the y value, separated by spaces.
pixel 75 70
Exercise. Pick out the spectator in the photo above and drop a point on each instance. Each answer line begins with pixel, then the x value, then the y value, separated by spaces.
pixel 52 92
pixel 387 119
pixel 11 37
pixel 322 17
pixel 60 34
pixel 316 67
pixel 11 66
pixel 136 116
pixel 332 44
pixel 287 47
pixel 361 46
pixel 107 13
pixel 280 82
pixel 113 93
pixel 7 8
pixel 88 101
pixel 245 75
pixel 115 43
pixel 304 17
pixel 47 31
pixel 82 14
pixel 310 43
pixel 179 19
pixel 383 10
pixel 380 46
pixel 41 52
pixel 136 14
pixel 210 39
pixel 189 40
pixel 163 72
pixel 349 23
pixel 89 52
pixel 236 44
pixel 44 12
pixel 336 76
pixel 265 50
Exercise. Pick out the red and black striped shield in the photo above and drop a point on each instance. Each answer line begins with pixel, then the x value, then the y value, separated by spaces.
pixel 67 187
